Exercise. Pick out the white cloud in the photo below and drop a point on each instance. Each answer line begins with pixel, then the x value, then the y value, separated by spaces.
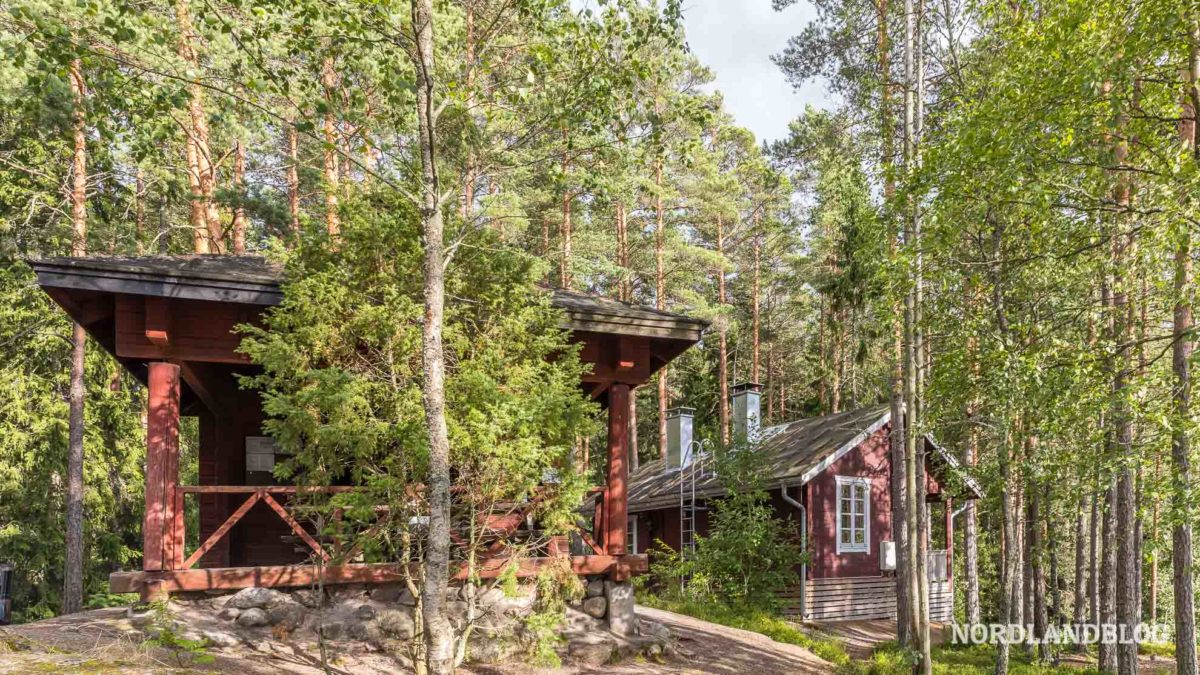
pixel 736 38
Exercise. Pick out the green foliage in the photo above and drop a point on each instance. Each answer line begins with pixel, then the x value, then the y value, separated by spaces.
pixel 33 448
pixel 557 585
pixel 342 374
pixel 889 659
pixel 164 629
pixel 750 555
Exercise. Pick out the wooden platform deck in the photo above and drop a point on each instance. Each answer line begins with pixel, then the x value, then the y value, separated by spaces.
pixel 297 576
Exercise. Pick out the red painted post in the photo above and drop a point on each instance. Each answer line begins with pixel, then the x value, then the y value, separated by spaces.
pixel 162 468
pixel 618 473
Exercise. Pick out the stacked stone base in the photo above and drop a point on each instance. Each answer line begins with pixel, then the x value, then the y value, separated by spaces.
pixel 601 628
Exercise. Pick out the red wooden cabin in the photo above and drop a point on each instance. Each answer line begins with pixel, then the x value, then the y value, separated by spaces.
pixel 170 320
pixel 831 477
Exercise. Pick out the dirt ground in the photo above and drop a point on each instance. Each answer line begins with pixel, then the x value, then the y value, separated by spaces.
pixel 99 642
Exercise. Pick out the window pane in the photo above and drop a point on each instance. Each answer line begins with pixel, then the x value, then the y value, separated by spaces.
pixel 860 537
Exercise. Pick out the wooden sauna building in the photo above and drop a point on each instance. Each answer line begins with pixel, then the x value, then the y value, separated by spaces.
pixel 169 321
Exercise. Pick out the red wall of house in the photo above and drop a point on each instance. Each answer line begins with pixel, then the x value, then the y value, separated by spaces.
pixel 871 460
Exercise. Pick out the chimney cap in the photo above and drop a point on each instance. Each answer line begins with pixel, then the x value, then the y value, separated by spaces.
pixel 746 386
pixel 681 410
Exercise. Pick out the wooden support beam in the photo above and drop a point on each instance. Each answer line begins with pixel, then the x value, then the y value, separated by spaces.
pixel 214 390
pixel 296 527
pixel 158 322
pixel 221 531
pixel 293 576
pixel 162 468
pixel 615 508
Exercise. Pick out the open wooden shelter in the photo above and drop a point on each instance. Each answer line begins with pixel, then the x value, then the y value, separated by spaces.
pixel 169 320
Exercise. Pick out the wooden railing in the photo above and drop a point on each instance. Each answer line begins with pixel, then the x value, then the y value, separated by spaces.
pixel 257 493
pixel 498 525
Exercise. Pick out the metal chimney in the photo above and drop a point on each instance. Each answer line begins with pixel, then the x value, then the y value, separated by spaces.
pixel 679 437
pixel 746 412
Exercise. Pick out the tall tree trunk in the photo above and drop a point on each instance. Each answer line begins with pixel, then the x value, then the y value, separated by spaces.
pixel 823 322
pixel 73 578
pixel 624 283
pixel 293 179
pixel 438 631
pixel 1079 599
pixel 660 300
pixel 238 227
pixel 1010 557
pixel 970 458
pixel 755 296
pixel 564 231
pixel 1036 554
pixel 1107 653
pixel 722 339
pixel 1128 563
pixel 333 224
pixel 1181 352
pixel 207 236
pixel 139 210
pixel 468 199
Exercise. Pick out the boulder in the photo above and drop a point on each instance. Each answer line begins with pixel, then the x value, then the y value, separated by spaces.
pixel 656 630
pixel 220 639
pixel 595 588
pixel 255 597
pixel 591 649
pixel 575 621
pixel 456 612
pixel 491 650
pixel 348 592
pixel 229 613
pixel 366 631
pixel 490 597
pixel 331 629
pixel 364 612
pixel 622 619
pixel 309 597
pixel 595 607
pixel 397 623
pixel 287 615
pixel 387 593
pixel 140 617
pixel 252 617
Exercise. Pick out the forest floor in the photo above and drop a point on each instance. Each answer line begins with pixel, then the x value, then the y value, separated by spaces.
pixel 101 642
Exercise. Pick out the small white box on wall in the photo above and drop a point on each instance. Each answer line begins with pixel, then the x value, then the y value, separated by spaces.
pixel 887 556
pixel 260 453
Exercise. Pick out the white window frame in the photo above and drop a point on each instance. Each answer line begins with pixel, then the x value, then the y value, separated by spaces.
pixel 844 483
pixel 631 533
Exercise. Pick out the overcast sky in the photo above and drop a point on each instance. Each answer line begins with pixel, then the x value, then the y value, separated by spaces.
pixel 736 38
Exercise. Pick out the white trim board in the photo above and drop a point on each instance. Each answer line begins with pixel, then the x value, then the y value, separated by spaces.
pixel 846 447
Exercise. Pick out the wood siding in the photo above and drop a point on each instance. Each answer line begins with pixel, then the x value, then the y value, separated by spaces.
pixel 859 598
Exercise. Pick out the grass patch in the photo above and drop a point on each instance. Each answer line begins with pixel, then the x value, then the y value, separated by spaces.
pixel 754 620
pixel 889 659
pixel 1164 650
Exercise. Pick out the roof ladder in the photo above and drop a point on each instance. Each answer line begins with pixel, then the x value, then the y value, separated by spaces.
pixel 690 473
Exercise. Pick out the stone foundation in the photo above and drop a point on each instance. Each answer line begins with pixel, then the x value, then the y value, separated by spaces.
pixel 599 628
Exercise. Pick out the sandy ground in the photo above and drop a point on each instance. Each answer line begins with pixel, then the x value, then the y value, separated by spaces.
pixel 99 642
